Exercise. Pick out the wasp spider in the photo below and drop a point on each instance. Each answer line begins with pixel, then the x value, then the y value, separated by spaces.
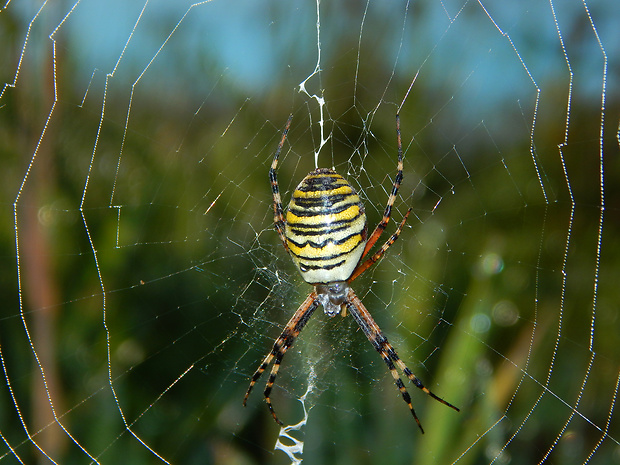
pixel 325 232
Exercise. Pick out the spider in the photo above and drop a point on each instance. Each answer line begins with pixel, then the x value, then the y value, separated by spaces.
pixel 325 233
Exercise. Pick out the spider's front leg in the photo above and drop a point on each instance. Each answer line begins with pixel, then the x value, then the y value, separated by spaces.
pixel 280 346
pixel 388 353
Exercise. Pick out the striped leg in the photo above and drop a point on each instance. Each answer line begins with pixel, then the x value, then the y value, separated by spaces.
pixel 278 211
pixel 388 353
pixel 363 266
pixel 388 209
pixel 280 346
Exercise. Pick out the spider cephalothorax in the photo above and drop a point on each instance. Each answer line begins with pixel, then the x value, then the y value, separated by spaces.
pixel 325 232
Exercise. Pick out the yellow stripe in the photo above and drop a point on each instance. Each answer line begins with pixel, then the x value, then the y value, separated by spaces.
pixel 346 189
pixel 348 214
pixel 308 251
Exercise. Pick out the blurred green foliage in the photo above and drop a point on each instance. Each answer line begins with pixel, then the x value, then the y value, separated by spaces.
pixel 146 245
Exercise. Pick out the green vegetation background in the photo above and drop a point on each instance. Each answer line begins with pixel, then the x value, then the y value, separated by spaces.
pixel 183 288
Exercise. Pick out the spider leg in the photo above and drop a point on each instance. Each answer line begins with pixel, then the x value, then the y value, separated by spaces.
pixel 278 211
pixel 388 353
pixel 379 253
pixel 280 346
pixel 388 209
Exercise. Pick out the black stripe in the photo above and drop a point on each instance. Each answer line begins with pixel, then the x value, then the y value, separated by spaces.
pixel 318 230
pixel 324 200
pixel 326 183
pixel 327 226
pixel 320 245
pixel 307 267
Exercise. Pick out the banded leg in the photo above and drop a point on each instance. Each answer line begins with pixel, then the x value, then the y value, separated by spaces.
pixel 280 346
pixel 388 353
pixel 278 211
pixel 388 209
pixel 379 253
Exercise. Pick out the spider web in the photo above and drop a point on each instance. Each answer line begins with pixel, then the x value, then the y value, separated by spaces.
pixel 144 282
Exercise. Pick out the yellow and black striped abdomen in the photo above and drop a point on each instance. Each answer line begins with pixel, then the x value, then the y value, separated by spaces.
pixel 325 227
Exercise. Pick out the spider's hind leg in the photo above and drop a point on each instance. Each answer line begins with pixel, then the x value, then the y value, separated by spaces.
pixel 278 210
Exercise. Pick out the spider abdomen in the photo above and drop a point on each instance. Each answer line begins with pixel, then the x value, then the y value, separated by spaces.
pixel 325 227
